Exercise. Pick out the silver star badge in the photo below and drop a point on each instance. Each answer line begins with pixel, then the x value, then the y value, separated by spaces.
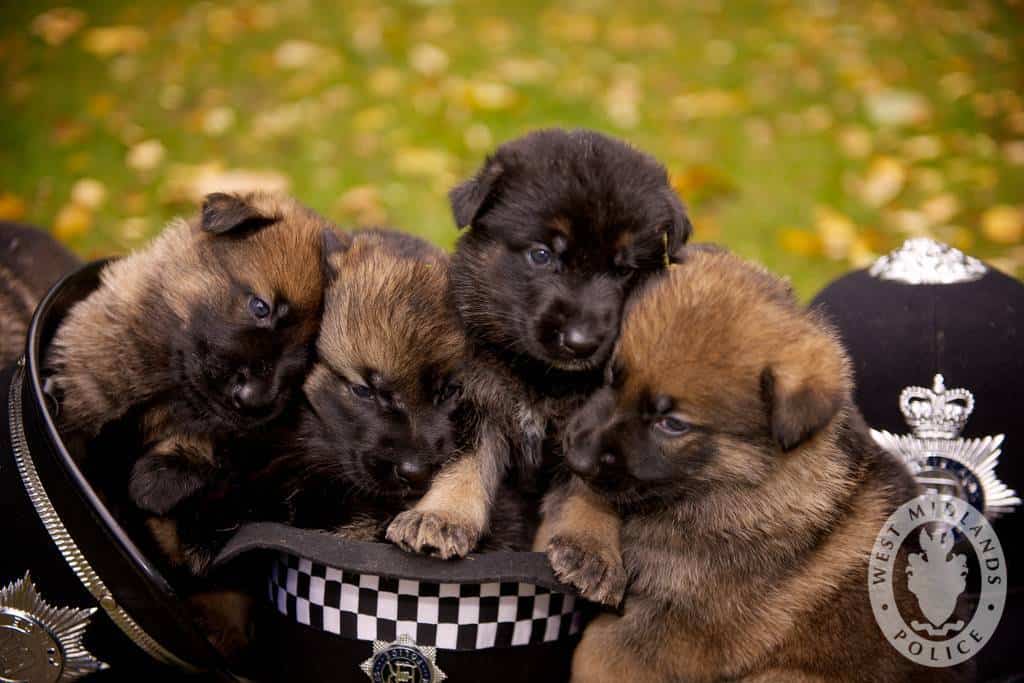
pixel 39 642
pixel 939 459
pixel 402 661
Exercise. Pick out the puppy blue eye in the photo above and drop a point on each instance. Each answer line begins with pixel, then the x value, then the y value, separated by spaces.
pixel 672 426
pixel 258 307
pixel 362 391
pixel 540 256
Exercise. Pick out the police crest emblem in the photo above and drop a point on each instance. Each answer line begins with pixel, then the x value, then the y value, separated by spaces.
pixel 402 661
pixel 40 642
pixel 942 461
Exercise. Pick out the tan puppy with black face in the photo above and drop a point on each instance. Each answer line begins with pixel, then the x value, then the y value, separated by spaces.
pixel 748 489
pixel 384 409
pixel 205 337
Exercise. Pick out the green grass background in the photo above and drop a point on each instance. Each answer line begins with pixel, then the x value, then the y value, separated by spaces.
pixel 771 116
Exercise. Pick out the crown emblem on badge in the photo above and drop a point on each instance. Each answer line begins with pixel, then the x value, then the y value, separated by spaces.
pixel 936 413
pixel 923 261
pixel 939 459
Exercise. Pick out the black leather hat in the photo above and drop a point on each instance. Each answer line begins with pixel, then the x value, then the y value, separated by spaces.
pixel 336 610
pixel 937 342
pixel 79 600
pixel 79 596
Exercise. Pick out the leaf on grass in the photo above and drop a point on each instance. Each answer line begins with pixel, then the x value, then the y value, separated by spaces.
pixel 190 183
pixel 621 102
pixel 897 108
pixel 941 208
pixel 89 193
pixel 134 229
pixel 700 184
pixel 72 221
pixel 422 161
pixel 1003 224
pixel 707 104
pixel 362 205
pixel 1013 152
pixel 298 54
pixel 108 41
pixel 428 59
pixel 12 207
pixel 883 181
pixel 146 155
pixel 855 141
pixel 478 137
pixel 56 25
pixel 218 120
pixel 490 96
pixel 836 232
pixel 800 242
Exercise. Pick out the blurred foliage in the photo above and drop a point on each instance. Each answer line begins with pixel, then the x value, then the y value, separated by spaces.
pixel 811 136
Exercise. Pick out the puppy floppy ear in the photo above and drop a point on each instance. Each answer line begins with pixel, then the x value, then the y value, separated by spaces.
pixel 333 244
pixel 470 199
pixel 805 389
pixel 678 229
pixel 224 213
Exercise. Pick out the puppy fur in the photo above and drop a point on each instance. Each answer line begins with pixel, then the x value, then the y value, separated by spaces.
pixel 203 337
pixel 384 400
pixel 562 225
pixel 748 489
pixel 30 263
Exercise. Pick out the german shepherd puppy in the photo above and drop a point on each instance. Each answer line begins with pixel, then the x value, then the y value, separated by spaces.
pixel 562 226
pixel 749 490
pixel 384 398
pixel 204 336
pixel 31 262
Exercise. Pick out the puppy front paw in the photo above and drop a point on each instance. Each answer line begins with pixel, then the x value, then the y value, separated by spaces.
pixel 158 485
pixel 595 571
pixel 433 533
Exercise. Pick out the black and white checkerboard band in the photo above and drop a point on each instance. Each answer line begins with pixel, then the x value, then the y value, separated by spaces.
pixel 448 616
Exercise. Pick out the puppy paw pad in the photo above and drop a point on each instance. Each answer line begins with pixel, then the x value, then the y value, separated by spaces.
pixel 598 575
pixel 429 533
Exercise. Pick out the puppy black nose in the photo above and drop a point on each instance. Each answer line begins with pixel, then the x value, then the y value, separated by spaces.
pixel 580 340
pixel 413 471
pixel 251 395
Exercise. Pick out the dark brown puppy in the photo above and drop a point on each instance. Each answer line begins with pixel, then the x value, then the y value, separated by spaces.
pixel 749 490
pixel 204 336
pixel 384 399
pixel 562 226
pixel 30 263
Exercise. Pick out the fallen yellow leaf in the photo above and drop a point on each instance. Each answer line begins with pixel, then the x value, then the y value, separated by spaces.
pixel 72 221
pixel 88 193
pixel 421 161
pixel 941 208
pixel 490 96
pixel 58 24
pixel 428 59
pixel 883 181
pixel 800 242
pixel 363 205
pixel 836 232
pixel 146 155
pixel 111 40
pixel 1003 224
pixel 12 207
